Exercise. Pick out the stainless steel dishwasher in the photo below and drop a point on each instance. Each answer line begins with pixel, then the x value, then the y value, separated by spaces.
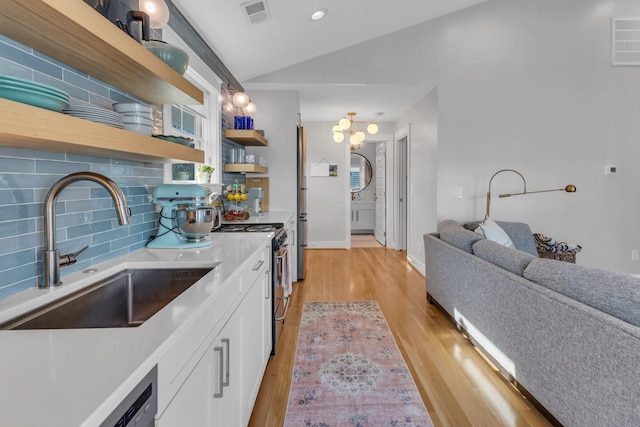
pixel 139 407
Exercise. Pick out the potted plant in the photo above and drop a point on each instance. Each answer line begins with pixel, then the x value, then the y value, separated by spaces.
pixel 204 173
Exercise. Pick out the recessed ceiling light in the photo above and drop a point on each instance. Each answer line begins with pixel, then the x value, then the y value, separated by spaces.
pixel 319 14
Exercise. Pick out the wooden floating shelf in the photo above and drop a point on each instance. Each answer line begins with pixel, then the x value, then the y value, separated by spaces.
pixel 246 137
pixel 245 167
pixel 25 126
pixel 75 34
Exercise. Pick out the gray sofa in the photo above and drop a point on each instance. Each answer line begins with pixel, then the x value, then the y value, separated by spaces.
pixel 566 335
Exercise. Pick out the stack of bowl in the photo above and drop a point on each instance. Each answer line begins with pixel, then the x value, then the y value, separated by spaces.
pixel 137 117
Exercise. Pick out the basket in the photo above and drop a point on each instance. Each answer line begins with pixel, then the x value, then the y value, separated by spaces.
pixel 560 256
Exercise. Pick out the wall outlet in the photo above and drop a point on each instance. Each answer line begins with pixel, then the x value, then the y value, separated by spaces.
pixel 610 170
pixel 635 255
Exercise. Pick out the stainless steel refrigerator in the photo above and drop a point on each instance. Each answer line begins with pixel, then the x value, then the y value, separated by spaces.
pixel 302 203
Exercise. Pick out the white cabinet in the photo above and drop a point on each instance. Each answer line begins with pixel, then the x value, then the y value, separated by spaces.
pixel 219 373
pixel 227 373
pixel 192 405
pixel 363 215
pixel 257 340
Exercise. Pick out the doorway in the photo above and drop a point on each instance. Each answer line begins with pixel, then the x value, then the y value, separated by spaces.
pixel 402 179
pixel 362 169
pixel 380 197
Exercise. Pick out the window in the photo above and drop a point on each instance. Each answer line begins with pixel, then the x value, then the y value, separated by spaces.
pixel 198 122
pixel 354 178
pixel 186 122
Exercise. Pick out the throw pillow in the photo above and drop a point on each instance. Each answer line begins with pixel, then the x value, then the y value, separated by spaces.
pixel 492 231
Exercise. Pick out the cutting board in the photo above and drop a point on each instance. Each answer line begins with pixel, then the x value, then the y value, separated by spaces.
pixel 260 183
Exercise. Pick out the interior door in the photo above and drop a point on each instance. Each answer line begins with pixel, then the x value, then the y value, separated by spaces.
pixel 402 192
pixel 380 229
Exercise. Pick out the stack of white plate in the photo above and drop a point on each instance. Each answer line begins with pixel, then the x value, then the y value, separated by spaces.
pixel 32 93
pixel 96 114
pixel 137 117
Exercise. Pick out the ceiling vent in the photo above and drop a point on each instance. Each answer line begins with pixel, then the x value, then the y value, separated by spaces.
pixel 625 42
pixel 256 11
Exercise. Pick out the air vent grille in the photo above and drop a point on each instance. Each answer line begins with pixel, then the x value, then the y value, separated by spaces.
pixel 625 41
pixel 256 11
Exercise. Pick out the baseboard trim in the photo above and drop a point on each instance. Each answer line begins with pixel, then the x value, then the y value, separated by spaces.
pixel 500 369
pixel 417 265
pixel 338 244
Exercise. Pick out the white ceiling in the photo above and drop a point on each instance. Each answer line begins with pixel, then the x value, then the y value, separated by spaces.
pixel 267 55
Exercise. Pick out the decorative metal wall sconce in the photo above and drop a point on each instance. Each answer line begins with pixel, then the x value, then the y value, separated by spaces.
pixel 569 189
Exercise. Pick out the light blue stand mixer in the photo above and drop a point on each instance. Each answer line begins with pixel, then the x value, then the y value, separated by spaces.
pixel 186 218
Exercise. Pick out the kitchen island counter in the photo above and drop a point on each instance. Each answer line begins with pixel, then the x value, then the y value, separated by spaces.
pixel 76 377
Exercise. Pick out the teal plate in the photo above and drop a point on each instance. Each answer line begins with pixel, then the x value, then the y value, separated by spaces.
pixel 37 99
pixel 34 90
pixel 177 139
pixel 9 81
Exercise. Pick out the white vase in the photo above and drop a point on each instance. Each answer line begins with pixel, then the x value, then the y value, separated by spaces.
pixel 203 178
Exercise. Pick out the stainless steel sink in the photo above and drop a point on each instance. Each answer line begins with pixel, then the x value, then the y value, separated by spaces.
pixel 126 299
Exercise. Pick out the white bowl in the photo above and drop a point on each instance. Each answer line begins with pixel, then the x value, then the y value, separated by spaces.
pixel 131 107
pixel 138 128
pixel 137 120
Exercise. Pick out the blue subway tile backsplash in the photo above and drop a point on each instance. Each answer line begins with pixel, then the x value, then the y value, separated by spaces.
pixel 85 212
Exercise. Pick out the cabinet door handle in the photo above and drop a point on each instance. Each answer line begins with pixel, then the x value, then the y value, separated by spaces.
pixel 258 265
pixel 357 216
pixel 220 373
pixel 227 341
pixel 268 293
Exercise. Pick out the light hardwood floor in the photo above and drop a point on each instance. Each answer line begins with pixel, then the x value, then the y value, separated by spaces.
pixel 458 386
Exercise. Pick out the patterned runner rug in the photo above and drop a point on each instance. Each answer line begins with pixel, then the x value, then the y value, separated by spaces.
pixel 349 372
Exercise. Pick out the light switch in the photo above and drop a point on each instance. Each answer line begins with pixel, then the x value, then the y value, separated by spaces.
pixel 456 193
pixel 610 170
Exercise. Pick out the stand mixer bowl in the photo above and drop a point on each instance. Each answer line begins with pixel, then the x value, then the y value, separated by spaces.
pixel 194 223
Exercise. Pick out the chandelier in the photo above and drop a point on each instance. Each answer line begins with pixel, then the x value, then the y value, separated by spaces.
pixel 356 137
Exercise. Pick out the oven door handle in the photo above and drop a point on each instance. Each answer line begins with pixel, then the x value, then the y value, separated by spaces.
pixel 286 307
pixel 282 252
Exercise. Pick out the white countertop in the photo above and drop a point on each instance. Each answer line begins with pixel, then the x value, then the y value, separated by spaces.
pixel 76 377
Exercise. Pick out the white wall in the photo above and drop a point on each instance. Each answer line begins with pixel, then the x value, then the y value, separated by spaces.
pixel 528 85
pixel 277 115
pixel 329 206
pixel 422 122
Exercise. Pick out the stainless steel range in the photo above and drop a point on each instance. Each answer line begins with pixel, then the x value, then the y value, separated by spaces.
pixel 280 268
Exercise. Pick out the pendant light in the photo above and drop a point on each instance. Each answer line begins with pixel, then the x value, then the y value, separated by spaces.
pixel 345 125
pixel 157 10
pixel 240 99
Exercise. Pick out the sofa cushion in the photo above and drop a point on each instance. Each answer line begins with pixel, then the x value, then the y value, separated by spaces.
pixel 454 234
pixel 492 231
pixel 510 259
pixel 614 293
pixel 520 235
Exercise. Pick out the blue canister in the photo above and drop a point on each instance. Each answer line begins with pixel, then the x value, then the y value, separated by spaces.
pixel 238 122
pixel 248 122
